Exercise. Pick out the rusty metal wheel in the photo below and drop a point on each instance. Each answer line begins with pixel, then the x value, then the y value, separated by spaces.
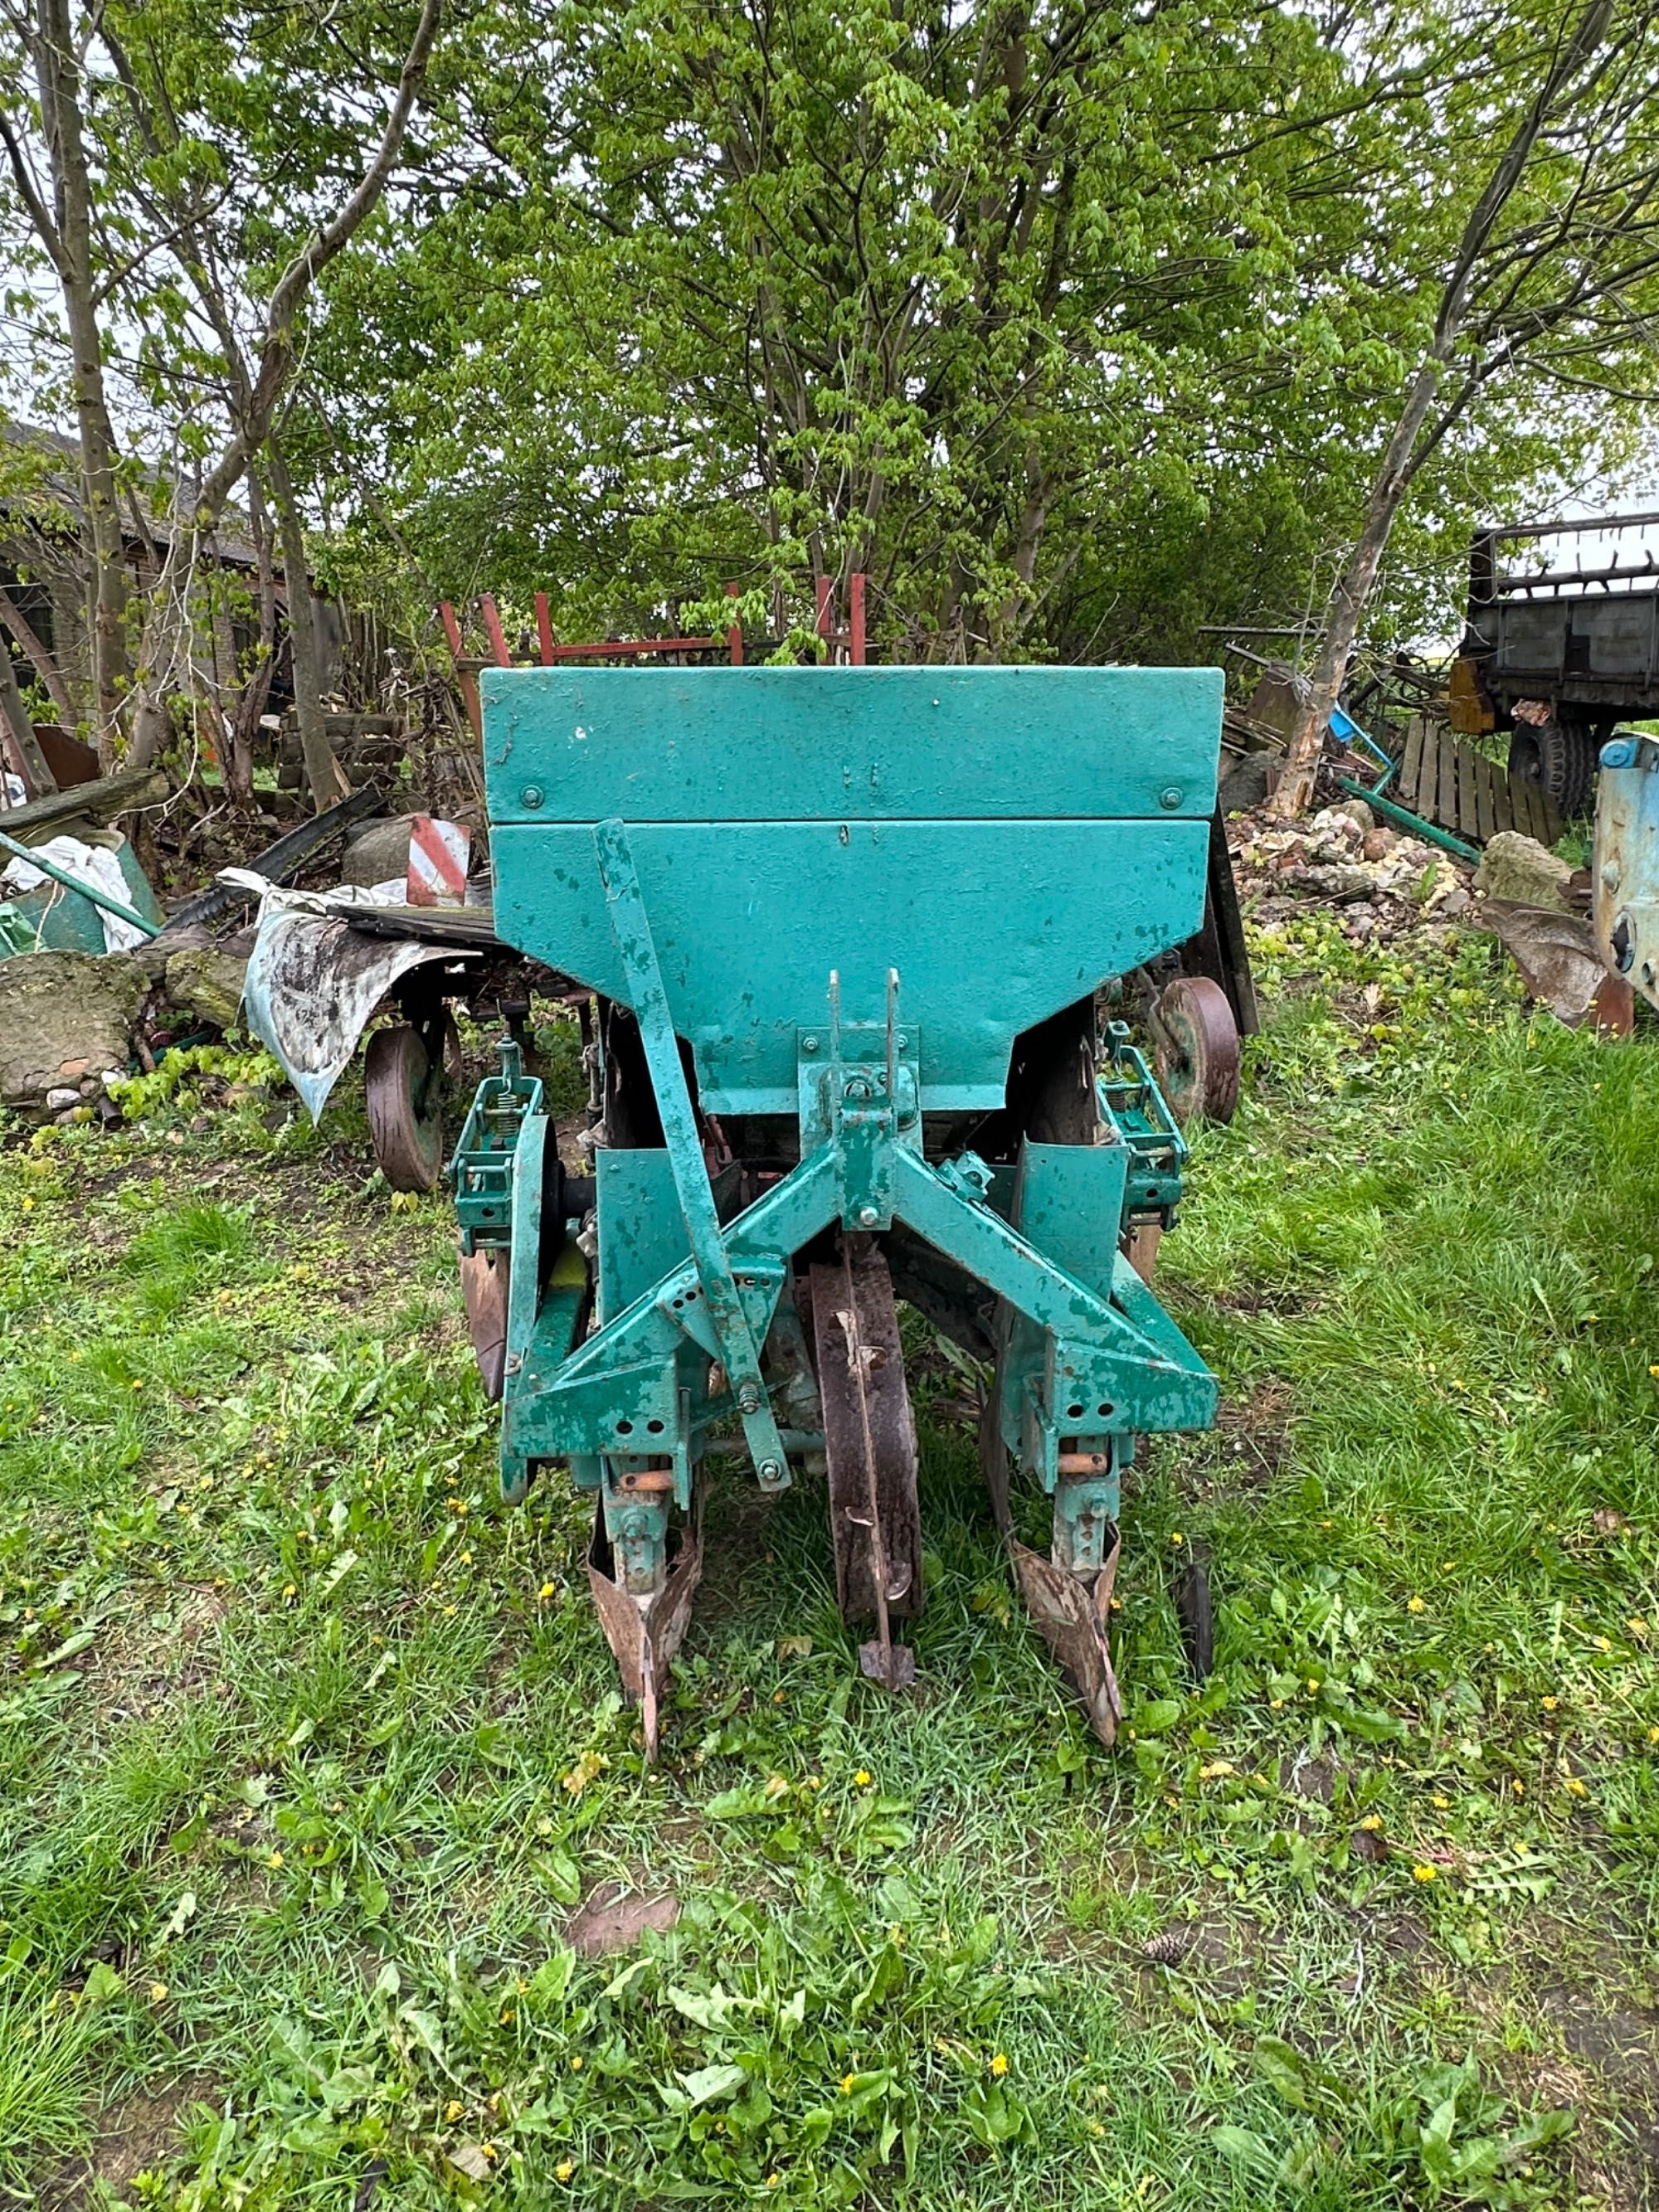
pixel 484 1280
pixel 405 1096
pixel 869 1443
pixel 1197 1050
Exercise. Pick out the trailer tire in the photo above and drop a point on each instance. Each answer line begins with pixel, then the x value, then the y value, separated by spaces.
pixel 1558 756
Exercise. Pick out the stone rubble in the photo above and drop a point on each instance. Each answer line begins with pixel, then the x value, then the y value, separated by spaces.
pixel 1382 880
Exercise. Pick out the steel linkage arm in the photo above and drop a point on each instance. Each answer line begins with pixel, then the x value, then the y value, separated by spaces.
pixel 630 926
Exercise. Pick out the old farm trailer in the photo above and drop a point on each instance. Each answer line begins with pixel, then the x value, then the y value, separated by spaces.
pixel 1558 649
pixel 844 931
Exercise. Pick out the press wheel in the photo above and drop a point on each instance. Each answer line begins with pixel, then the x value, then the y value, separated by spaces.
pixel 405 1096
pixel 1197 1051
pixel 870 1445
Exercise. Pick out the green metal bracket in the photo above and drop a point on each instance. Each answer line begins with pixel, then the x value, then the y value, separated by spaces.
pixel 631 927
pixel 859 1092
pixel 1136 1109
pixel 481 1169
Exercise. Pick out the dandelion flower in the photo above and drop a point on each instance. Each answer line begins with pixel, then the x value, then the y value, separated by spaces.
pixel 999 2064
pixel 577 2063
pixel 1576 1787
pixel 564 2169
pixel 1424 1874
pixel 1371 1823
pixel 545 1592
pixel 275 1860
pixel 1216 1770
pixel 847 2081
pixel 1550 1704
pixel 1416 1605
pixel 1177 1538
pixel 1441 1804
pixel 863 1777
pixel 453 2109
pixel 1519 1788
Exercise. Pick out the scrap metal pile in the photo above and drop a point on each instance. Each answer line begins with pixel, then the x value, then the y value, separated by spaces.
pixel 843 933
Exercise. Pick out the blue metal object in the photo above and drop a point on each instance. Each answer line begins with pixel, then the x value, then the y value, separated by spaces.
pixel 1625 859
pixel 844 930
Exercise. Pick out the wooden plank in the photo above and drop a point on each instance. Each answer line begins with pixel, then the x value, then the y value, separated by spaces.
pixel 91 802
pixel 1465 823
pixel 1485 800
pixel 1412 766
pixel 1469 792
pixel 1447 816
pixel 1502 797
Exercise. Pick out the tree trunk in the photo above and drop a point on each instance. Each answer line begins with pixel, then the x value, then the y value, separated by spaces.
pixel 1294 791
pixel 58 78
pixel 256 686
pixel 1576 52
pixel 322 769
pixel 42 662
pixel 38 782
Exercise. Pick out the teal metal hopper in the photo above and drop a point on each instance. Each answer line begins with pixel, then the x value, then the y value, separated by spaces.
pixel 843 931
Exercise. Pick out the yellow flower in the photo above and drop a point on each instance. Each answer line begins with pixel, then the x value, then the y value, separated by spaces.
pixel 1576 1787
pixel 1313 1683
pixel 1604 1643
pixel 1178 1537
pixel 773 2179
pixel 1441 1804
pixel 847 2081
pixel 1653 1736
pixel 864 1778
pixel 453 2109
pixel 449 1612
pixel 1519 1788
pixel 1416 1605
pixel 1371 1823
pixel 275 1860
pixel 158 1992
pixel 489 2150
pixel 1638 1628
pixel 466 1559
pixel 1216 1769
pixel 1425 1873
pixel 290 1590
pixel 564 2169
pixel 577 2063
pixel 545 1592
pixel 1000 2065
pixel 1550 1704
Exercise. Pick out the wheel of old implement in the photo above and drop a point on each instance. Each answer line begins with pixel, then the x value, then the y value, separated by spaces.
pixel 405 1096
pixel 1197 1050
pixel 1560 756
pixel 870 1446
pixel 1195 1612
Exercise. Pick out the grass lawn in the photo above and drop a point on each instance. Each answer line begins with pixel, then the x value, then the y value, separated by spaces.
pixel 308 1754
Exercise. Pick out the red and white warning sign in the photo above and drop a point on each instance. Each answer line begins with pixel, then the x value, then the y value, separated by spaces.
pixel 437 862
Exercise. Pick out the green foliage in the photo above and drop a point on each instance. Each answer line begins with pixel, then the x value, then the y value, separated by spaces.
pixel 307 1755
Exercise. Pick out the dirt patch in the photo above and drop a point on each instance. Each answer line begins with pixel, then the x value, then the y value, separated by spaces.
pixel 612 1918
pixel 130 2138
